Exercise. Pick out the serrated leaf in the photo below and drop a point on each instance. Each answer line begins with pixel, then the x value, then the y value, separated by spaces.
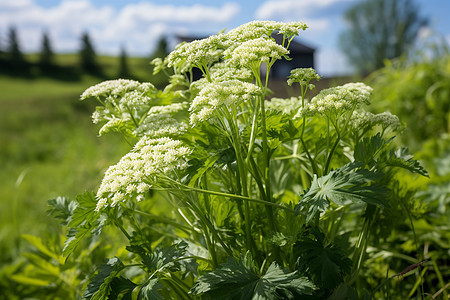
pixel 85 210
pixel 367 148
pixel 99 285
pixel 278 283
pixel 121 288
pixel 210 161
pixel 165 257
pixel 400 158
pixel 76 235
pixel 61 209
pixel 84 220
pixel 340 186
pixel 239 280
pixel 150 291
pixel 326 264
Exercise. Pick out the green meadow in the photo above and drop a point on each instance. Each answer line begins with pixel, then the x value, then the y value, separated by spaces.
pixel 48 144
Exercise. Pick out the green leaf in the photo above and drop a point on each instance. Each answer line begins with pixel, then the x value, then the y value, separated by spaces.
pixel 150 291
pixel 209 162
pixel 43 249
pixel 239 280
pixel 85 210
pixel 62 209
pixel 84 220
pixel 400 158
pixel 76 235
pixel 99 285
pixel 367 149
pixel 121 288
pixel 326 264
pixel 341 186
pixel 165 257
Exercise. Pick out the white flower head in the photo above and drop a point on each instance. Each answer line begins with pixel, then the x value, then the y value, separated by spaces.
pixel 257 29
pixel 303 76
pixel 347 97
pixel 198 53
pixel 137 171
pixel 257 51
pixel 287 106
pixel 220 94
pixel 116 87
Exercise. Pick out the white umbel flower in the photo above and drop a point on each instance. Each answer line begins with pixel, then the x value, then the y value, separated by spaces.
pixel 341 98
pixel 134 174
pixel 257 51
pixel 220 94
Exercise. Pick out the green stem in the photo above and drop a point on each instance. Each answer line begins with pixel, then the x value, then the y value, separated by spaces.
pixel 165 221
pixel 330 155
pixel 237 197
pixel 122 229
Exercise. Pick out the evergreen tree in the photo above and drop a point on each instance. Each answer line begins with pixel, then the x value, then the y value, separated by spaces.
pixel 2 52
pixel 380 29
pixel 14 55
pixel 123 64
pixel 88 58
pixel 161 49
pixel 46 57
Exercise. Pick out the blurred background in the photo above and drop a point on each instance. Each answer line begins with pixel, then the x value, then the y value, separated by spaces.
pixel 51 51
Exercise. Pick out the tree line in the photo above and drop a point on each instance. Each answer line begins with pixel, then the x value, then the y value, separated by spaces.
pixel 377 30
pixel 14 62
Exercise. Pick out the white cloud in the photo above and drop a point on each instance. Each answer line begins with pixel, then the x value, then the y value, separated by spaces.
pixel 149 12
pixel 295 10
pixel 136 25
pixel 288 9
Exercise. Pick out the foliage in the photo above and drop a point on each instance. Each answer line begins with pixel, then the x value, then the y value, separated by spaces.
pixel 379 30
pixel 416 88
pixel 227 195
pixel 418 93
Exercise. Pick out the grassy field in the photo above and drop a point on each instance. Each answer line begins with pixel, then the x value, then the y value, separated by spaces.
pixel 49 146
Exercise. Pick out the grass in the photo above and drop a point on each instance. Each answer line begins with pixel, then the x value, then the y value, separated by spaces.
pixel 49 147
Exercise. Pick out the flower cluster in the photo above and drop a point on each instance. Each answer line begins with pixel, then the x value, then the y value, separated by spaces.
pixel 287 106
pixel 258 29
pixel 365 119
pixel 256 51
pixel 198 53
pixel 116 87
pixel 303 76
pixel 160 122
pixel 135 173
pixel 218 94
pixel 342 98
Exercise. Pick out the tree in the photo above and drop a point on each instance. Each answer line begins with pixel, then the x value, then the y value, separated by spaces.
pixel 379 30
pixel 46 57
pixel 88 58
pixel 15 55
pixel 161 49
pixel 123 65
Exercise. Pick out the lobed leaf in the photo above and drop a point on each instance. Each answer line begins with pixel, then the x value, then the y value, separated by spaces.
pixel 325 263
pixel 340 186
pixel 239 280
pixel 400 158
pixel 99 285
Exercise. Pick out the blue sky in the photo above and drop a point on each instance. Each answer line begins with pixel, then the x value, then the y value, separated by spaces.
pixel 137 25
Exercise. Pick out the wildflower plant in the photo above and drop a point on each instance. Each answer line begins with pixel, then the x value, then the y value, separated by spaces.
pixel 258 194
